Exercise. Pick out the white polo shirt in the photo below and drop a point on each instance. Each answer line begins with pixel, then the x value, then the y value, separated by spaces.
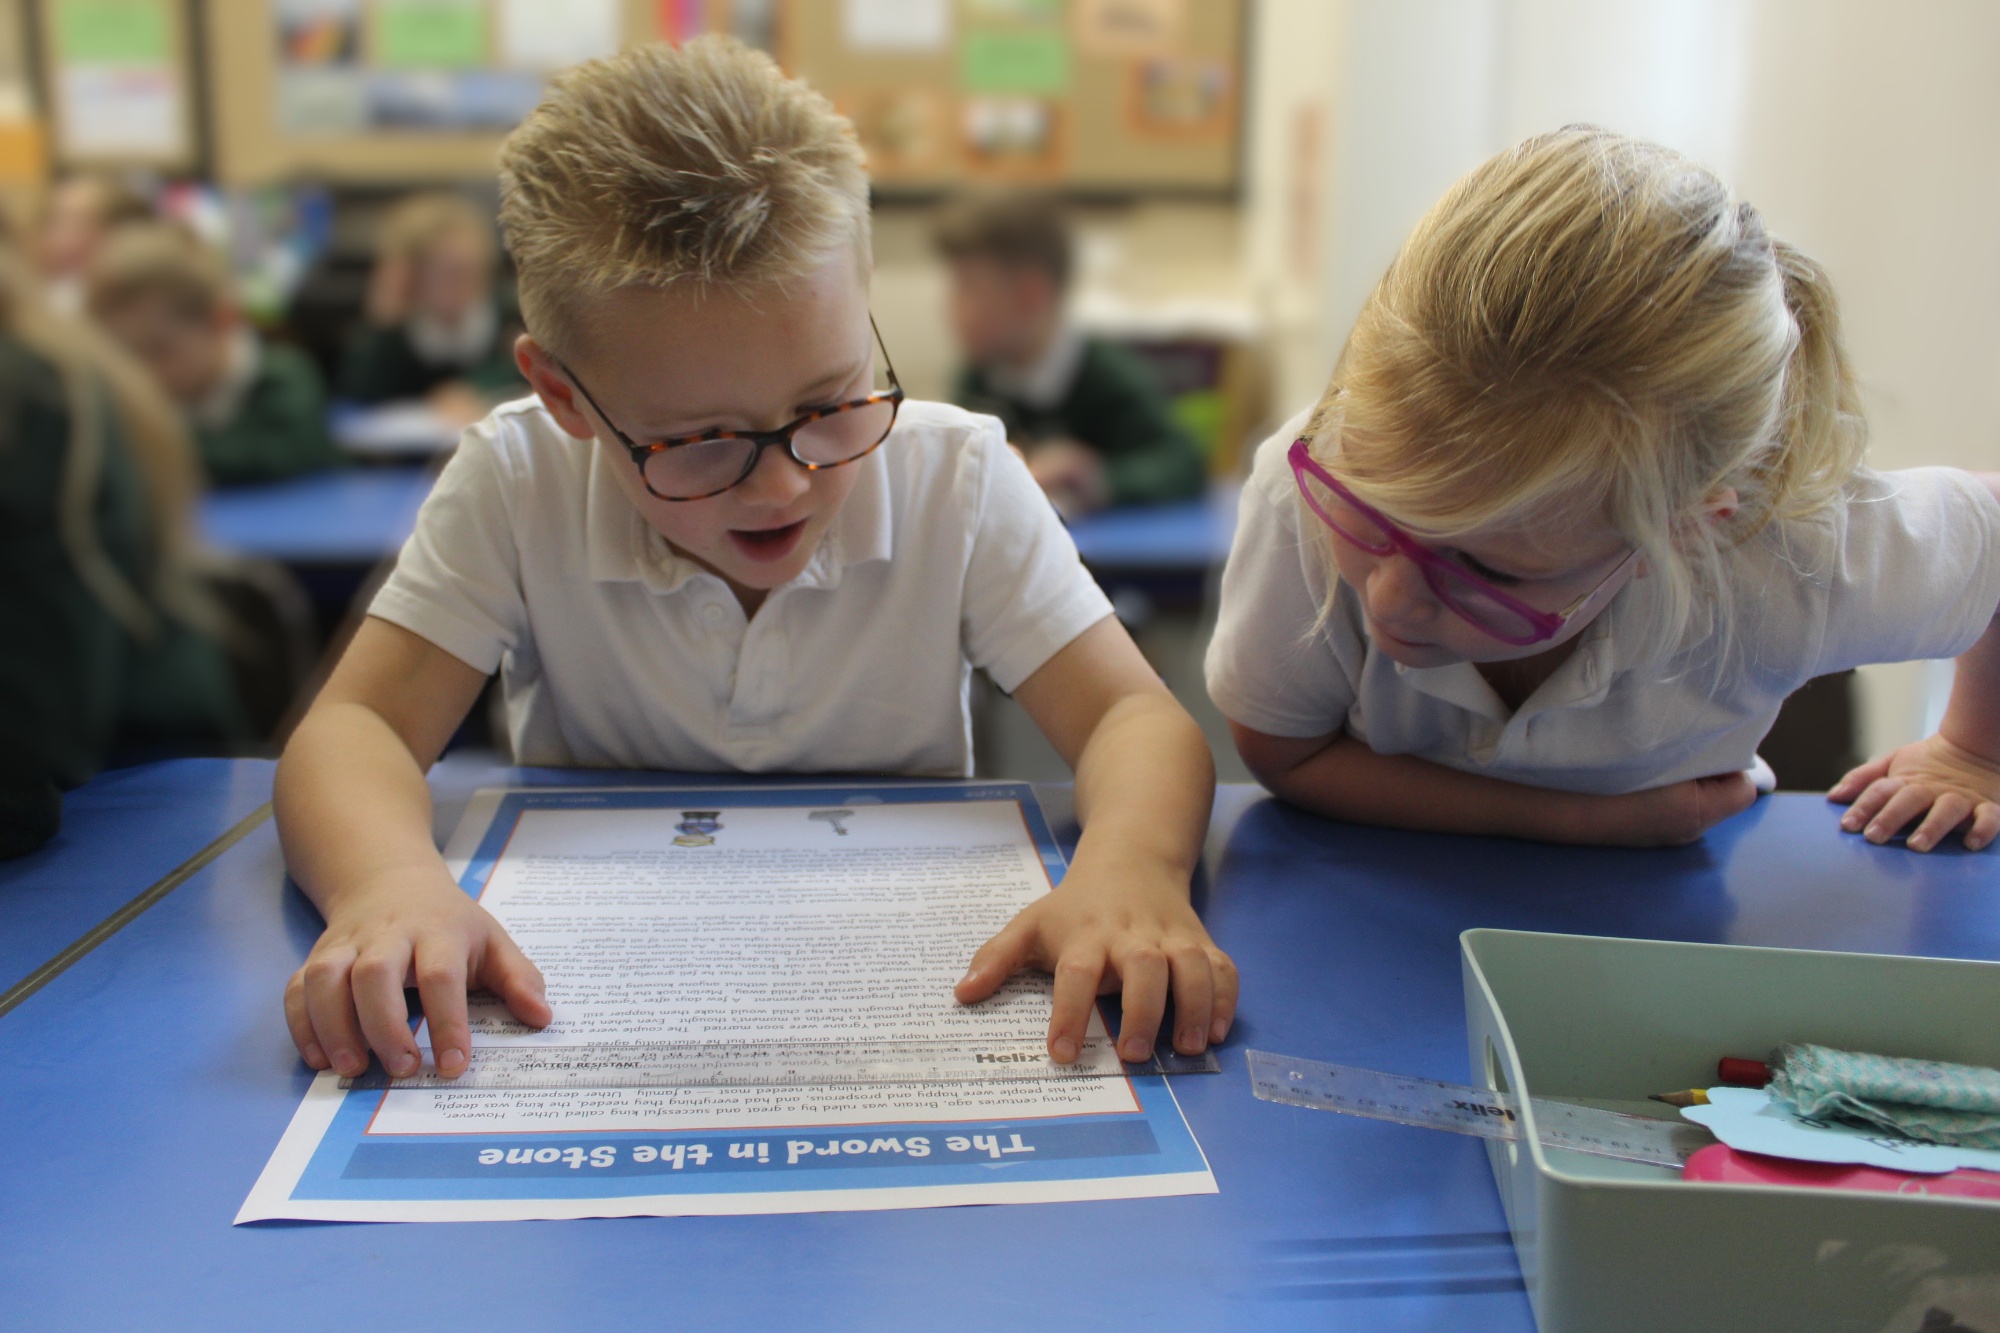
pixel 614 651
pixel 1907 567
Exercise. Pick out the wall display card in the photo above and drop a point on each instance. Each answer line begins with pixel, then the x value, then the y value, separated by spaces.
pixel 1027 62
pixel 549 34
pixel 117 83
pixel 755 915
pixel 430 34
pixel 896 27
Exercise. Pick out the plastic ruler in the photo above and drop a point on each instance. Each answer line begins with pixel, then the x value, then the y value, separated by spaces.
pixel 1481 1112
pixel 779 1065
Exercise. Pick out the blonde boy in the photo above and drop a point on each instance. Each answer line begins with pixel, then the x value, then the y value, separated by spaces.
pixel 680 555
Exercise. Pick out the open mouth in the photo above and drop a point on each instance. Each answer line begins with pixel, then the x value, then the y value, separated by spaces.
pixel 768 543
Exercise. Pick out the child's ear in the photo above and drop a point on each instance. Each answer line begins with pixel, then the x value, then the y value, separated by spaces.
pixel 553 387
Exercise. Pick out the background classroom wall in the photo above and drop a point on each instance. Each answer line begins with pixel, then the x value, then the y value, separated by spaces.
pixel 1866 131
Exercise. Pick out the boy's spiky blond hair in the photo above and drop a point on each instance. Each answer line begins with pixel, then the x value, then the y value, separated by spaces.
pixel 702 165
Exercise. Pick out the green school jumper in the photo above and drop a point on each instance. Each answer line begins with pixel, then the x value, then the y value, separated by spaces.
pixel 1115 406
pixel 74 685
pixel 279 429
pixel 382 366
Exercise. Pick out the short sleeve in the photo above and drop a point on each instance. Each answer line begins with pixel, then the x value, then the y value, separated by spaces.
pixel 1917 573
pixel 1268 668
pixel 457 582
pixel 1027 594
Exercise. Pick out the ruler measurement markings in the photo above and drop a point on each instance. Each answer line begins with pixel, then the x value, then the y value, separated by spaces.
pixel 1481 1112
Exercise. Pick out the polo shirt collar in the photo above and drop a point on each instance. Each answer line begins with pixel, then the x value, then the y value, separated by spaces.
pixel 1582 680
pixel 621 547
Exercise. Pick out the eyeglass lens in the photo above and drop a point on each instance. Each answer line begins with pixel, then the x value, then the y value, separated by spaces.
pixel 692 470
pixel 1462 593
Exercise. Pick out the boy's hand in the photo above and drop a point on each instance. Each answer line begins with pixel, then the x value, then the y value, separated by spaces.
pixel 1103 933
pixel 1666 816
pixel 349 995
pixel 1948 785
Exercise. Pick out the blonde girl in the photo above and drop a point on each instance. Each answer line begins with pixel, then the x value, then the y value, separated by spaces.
pixel 1582 504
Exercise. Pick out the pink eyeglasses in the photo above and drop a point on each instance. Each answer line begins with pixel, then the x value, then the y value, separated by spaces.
pixel 1479 603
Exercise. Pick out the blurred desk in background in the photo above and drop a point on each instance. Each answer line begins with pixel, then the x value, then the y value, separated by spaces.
pixel 1162 552
pixel 349 519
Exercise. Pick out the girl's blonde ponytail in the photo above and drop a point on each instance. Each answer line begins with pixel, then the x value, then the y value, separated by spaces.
pixel 1823 428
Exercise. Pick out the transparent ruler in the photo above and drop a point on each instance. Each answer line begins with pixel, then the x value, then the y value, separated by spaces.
pixel 1481 1112
pixel 778 1065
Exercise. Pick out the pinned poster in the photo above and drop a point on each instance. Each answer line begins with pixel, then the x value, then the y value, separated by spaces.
pixel 549 34
pixel 1030 62
pixel 896 27
pixel 1128 29
pixel 430 34
pixel 117 80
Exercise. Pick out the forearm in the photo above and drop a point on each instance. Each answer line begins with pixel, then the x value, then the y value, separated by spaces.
pixel 1347 780
pixel 353 807
pixel 1144 786
pixel 1972 717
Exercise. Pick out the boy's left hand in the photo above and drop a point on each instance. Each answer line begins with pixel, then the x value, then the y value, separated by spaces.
pixel 1100 933
pixel 1945 783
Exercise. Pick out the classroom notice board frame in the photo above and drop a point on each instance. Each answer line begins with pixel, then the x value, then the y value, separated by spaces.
pixel 1088 96
pixel 252 146
pixel 118 82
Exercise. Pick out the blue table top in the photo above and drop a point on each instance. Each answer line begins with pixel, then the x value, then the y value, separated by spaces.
pixel 352 517
pixel 1189 536
pixel 362 515
pixel 120 834
pixel 148 1084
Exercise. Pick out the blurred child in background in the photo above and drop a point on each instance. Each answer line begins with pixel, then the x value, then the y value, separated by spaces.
pixel 257 411
pixel 107 643
pixel 82 211
pixel 1087 413
pixel 437 328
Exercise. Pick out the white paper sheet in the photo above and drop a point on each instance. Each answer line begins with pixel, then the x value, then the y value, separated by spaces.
pixel 811 920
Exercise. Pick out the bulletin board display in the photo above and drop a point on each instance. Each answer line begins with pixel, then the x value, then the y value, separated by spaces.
pixel 383 91
pixel 1117 95
pixel 118 85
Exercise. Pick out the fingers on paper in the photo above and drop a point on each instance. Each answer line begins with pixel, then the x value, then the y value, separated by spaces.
pixel 1145 972
pixel 1014 948
pixel 1227 986
pixel 379 974
pixel 329 1005
pixel 1193 983
pixel 1076 976
pixel 300 1022
pixel 508 973
pixel 440 973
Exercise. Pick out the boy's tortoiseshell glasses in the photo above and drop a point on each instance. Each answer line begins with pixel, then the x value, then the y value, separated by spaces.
pixel 695 467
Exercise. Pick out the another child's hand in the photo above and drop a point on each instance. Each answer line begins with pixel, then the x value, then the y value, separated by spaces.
pixel 1666 816
pixel 1071 474
pixel 348 997
pixel 1948 785
pixel 1111 932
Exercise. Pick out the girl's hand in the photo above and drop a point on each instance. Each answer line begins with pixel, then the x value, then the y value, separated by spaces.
pixel 348 997
pixel 1113 931
pixel 1666 816
pixel 1950 786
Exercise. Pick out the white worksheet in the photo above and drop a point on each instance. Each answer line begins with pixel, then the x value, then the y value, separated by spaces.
pixel 754 914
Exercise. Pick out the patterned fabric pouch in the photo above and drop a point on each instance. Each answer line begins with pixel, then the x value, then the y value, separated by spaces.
pixel 1926 1100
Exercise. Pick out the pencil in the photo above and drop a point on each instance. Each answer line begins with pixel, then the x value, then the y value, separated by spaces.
pixel 1692 1097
